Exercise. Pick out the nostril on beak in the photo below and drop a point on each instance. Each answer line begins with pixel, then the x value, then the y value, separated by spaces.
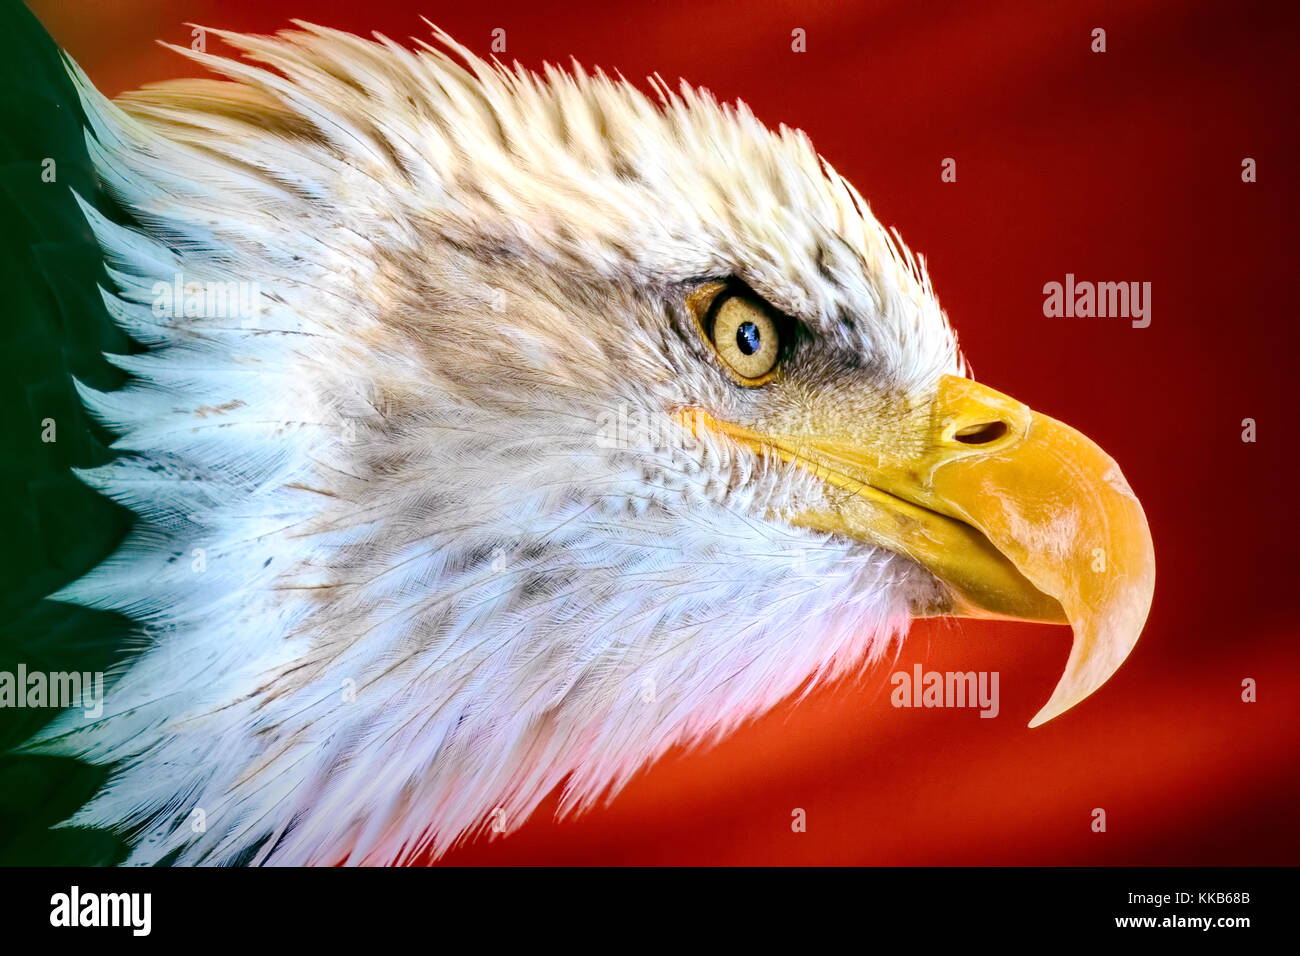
pixel 980 434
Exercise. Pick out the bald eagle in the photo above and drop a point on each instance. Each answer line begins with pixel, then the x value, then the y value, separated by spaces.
pixel 490 432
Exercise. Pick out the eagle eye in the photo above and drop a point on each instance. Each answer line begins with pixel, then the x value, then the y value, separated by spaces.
pixel 747 337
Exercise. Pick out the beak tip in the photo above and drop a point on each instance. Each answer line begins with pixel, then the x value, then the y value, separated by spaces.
pixel 1050 711
pixel 1099 648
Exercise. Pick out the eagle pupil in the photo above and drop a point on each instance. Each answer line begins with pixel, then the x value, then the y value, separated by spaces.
pixel 747 338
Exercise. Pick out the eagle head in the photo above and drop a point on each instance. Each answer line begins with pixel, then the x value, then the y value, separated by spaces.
pixel 557 425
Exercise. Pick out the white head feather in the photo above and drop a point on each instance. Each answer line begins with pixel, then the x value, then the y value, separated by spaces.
pixel 432 587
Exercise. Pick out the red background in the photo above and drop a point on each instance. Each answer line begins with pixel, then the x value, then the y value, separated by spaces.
pixel 1117 166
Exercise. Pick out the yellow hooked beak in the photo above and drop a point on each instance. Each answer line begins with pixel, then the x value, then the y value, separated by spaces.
pixel 1020 516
